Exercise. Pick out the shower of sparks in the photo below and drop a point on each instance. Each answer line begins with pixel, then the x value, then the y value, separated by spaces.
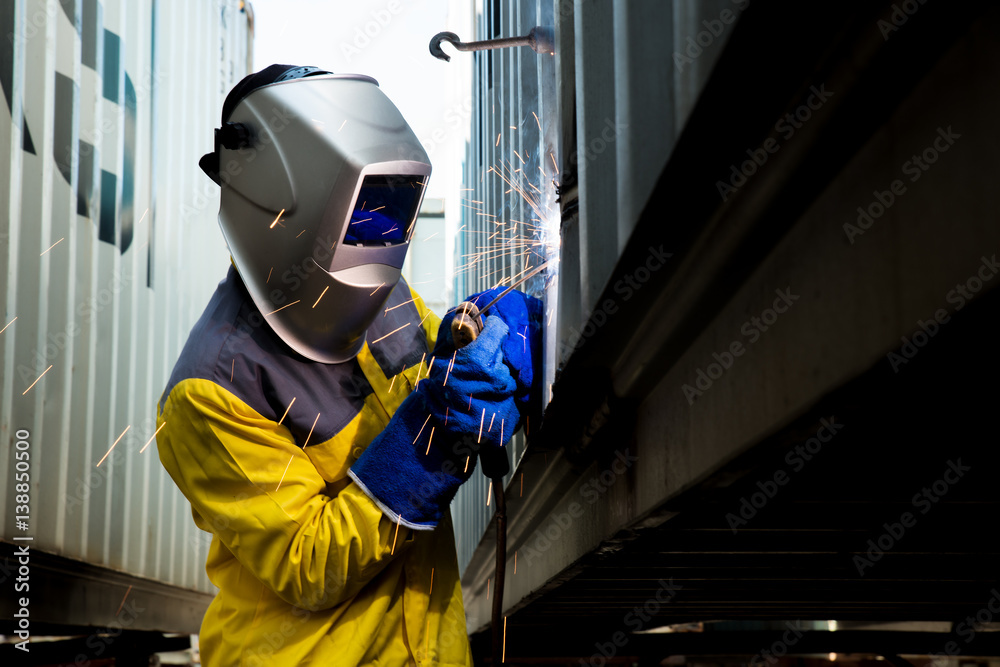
pixel 429 441
pixel 377 289
pixel 122 605
pixel 54 245
pixel 306 443
pixel 283 307
pixel 482 420
pixel 321 296
pixel 8 324
pixel 422 429
pixel 36 381
pixel 286 411
pixel 284 471
pixel 277 219
pixel 113 446
pixel 152 438
pixel 393 550
pixel 342 125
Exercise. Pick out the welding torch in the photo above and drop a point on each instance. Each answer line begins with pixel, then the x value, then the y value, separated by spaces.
pixel 465 328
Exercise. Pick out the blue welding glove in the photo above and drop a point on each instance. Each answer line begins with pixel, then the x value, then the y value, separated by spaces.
pixel 468 404
pixel 522 348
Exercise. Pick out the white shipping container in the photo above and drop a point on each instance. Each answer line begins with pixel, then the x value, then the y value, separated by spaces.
pixel 110 250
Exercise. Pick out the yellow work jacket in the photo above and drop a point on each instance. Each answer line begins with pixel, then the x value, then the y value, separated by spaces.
pixel 259 440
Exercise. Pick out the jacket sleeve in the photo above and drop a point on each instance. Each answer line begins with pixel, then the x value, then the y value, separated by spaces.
pixel 255 489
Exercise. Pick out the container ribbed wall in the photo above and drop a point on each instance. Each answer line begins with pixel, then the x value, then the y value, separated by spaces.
pixel 110 250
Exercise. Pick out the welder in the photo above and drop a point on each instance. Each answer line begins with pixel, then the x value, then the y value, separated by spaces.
pixel 318 419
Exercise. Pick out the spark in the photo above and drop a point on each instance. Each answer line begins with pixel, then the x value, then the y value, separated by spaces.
pixel 498 141
pixel 283 307
pixel 422 429
pixel 277 219
pixel 391 332
pixel 365 220
pixel 552 155
pixel 451 364
pixel 490 429
pixel 8 324
pixel 142 218
pixel 503 653
pixel 394 228
pixel 306 443
pixel 396 535
pixel 552 312
pixel 466 464
pixel 426 315
pixel 321 295
pixel 519 158
pixel 36 381
pixel 286 411
pixel 153 438
pixel 501 431
pixel 489 494
pixel 300 233
pixel 429 441
pixel 123 600
pixel 487 588
pixel 232 371
pixel 482 420
pixel 432 583
pixel 284 471
pixel 113 445
pixel 470 404
pixel 432 236
pixel 54 245
pixel 342 125
pixel 394 379
pixel 537 121
pixel 515 562
pixel 377 289
pixel 269 275
pixel 446 416
pixel 379 208
pixel 513 127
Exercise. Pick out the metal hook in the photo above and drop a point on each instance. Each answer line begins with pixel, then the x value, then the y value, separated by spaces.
pixel 541 39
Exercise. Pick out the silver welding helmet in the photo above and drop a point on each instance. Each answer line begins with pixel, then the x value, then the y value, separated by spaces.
pixel 322 180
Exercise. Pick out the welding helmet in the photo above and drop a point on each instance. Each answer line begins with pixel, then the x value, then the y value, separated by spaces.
pixel 322 180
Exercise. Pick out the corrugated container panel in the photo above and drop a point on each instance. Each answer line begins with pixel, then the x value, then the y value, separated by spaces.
pixel 111 249
pixel 510 218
